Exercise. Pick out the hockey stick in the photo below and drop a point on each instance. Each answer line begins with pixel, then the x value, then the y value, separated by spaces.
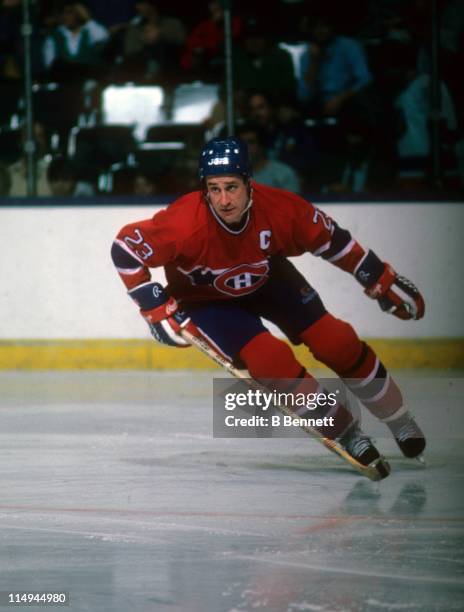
pixel 376 470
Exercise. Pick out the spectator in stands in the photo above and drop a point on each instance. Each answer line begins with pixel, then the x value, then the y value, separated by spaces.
pixel 18 169
pixel 358 165
pixel 267 171
pixel 216 122
pixel 182 176
pixel 203 54
pixel 152 44
pixel 262 112
pixel 5 181
pixel 128 180
pixel 73 49
pixel 260 64
pixel 63 180
pixel 413 103
pixel 286 137
pixel 334 69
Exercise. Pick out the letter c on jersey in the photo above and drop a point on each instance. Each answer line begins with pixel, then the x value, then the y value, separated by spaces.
pixel 243 279
pixel 265 239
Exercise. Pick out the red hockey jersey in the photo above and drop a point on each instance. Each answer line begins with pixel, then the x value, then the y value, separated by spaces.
pixel 205 260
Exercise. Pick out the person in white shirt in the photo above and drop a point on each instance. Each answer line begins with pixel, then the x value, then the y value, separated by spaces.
pixel 267 171
pixel 76 41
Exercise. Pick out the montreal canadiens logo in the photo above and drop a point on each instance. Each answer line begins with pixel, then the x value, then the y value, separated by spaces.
pixel 243 279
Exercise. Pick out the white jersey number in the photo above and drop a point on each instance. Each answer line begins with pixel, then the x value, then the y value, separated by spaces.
pixel 144 251
pixel 327 221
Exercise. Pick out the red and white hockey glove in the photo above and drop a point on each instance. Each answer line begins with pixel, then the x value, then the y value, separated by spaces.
pixel 394 293
pixel 162 314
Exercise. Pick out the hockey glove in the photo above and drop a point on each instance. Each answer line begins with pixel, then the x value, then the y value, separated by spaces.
pixel 394 293
pixel 162 314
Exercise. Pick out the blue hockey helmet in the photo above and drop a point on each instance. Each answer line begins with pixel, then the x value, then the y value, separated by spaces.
pixel 224 156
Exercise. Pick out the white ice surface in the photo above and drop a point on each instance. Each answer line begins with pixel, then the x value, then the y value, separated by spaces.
pixel 113 489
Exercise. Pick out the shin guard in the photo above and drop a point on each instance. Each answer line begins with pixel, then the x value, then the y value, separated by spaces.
pixel 272 362
pixel 336 344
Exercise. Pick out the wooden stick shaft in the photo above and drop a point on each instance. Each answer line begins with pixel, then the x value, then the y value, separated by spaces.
pixel 332 445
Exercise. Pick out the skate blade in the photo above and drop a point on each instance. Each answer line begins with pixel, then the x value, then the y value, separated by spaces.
pixel 421 461
pixel 378 469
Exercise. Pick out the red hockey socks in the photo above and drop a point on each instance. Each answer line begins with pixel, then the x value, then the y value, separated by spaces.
pixel 336 418
pixel 267 357
pixel 372 384
pixel 336 344
pixel 272 362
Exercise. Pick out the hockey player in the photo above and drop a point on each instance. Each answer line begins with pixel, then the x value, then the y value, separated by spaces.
pixel 224 249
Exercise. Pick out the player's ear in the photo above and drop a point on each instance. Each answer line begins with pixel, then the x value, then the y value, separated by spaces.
pixel 205 191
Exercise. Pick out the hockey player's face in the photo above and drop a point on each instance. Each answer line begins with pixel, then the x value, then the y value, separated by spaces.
pixel 228 195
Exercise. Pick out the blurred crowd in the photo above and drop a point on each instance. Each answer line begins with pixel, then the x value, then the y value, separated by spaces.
pixel 330 97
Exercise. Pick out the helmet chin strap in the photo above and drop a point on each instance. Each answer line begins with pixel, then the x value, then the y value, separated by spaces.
pixel 250 200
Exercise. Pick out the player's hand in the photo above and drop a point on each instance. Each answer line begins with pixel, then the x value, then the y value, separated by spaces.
pixel 394 293
pixel 166 323
pixel 162 313
pixel 397 295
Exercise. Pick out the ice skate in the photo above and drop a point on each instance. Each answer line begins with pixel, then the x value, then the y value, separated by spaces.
pixel 362 449
pixel 408 435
